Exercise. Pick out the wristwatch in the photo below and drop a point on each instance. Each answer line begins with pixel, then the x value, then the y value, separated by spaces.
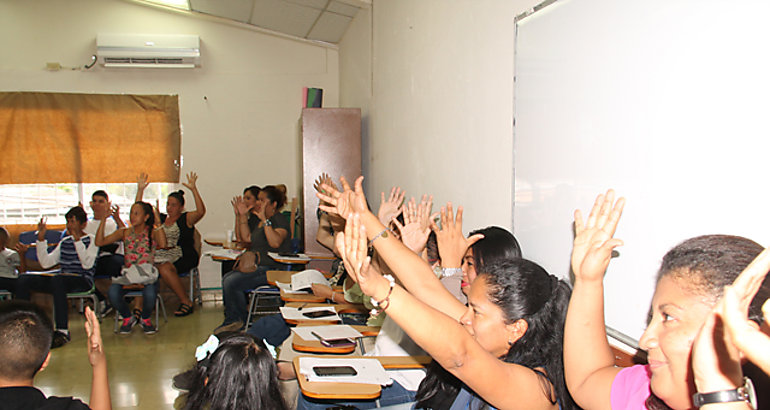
pixel 268 222
pixel 743 393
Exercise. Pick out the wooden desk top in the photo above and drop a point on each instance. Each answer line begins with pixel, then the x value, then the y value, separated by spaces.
pixel 356 391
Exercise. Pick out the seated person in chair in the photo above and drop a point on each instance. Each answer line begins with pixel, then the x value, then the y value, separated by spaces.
pixel 10 261
pixel 75 254
pixel 110 259
pixel 270 235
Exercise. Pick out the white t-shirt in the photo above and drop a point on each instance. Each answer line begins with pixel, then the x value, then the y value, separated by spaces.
pixel 9 261
pixel 109 227
pixel 393 341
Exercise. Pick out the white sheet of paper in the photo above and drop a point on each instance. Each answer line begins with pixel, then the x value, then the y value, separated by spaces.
pixel 306 278
pixel 290 313
pixel 225 253
pixel 370 371
pixel 327 332
pixel 286 288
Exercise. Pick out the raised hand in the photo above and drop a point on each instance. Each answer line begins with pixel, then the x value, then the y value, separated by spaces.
pixel 423 211
pixel 345 202
pixel 735 307
pixel 156 212
pixel 192 178
pixel 41 229
pixel 239 205
pixel 354 255
pixel 593 244
pixel 452 244
pixel 413 235
pixel 323 179
pixel 716 359
pixel 115 212
pixel 390 208
pixel 21 249
pixel 95 346
pixel 142 181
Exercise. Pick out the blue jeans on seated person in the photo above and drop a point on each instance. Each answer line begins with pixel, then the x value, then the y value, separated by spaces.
pixel 393 394
pixel 149 293
pixel 58 286
pixel 234 287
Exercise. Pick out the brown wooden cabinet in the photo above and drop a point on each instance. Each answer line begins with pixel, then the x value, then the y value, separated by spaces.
pixel 331 143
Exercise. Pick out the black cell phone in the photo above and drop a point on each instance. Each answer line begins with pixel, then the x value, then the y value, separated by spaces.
pixel 344 342
pixel 334 371
pixel 318 313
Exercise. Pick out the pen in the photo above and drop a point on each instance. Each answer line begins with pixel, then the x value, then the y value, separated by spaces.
pixel 300 308
pixel 317 336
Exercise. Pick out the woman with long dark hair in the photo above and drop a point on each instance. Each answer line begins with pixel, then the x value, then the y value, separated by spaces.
pixel 239 374
pixel 511 302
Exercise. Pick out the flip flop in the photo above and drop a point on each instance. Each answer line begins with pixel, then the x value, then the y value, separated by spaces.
pixel 184 310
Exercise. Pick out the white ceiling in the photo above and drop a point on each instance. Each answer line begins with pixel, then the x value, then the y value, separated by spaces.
pixel 323 20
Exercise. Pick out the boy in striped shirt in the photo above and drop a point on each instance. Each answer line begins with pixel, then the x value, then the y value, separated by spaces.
pixel 75 254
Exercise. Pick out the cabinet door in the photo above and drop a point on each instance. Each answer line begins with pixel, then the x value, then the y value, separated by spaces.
pixel 331 143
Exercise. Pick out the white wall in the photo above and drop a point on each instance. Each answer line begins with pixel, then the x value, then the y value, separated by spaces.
pixel 246 132
pixel 441 116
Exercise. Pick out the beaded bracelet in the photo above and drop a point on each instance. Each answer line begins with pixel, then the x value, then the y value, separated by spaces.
pixel 383 233
pixel 380 306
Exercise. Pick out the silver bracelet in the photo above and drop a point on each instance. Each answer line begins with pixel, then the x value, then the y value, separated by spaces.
pixel 447 272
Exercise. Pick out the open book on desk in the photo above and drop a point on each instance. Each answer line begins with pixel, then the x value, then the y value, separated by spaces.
pixel 303 281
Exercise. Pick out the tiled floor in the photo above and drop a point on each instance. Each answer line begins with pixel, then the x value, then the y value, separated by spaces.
pixel 140 366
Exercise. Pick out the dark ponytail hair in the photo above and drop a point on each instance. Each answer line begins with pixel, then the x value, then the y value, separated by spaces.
pixel 254 191
pixel 150 223
pixel 439 387
pixel 498 245
pixel 178 195
pixel 275 195
pixel 522 290
pixel 240 374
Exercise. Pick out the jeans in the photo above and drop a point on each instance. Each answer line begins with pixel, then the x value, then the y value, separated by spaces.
pixel 393 394
pixel 8 284
pixel 58 286
pixel 149 293
pixel 234 287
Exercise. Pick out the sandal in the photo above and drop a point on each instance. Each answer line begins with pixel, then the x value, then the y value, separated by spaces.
pixel 184 310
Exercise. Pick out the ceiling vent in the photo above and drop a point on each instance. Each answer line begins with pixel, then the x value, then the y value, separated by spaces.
pixel 148 50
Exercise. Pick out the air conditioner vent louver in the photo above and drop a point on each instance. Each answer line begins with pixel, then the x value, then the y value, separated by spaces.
pixel 148 51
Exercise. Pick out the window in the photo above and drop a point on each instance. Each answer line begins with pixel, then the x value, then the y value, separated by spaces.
pixel 26 204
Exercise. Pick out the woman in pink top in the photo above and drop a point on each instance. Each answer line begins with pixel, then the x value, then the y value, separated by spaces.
pixel 691 279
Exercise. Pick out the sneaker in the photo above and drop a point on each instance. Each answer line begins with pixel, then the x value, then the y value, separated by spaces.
pixel 229 327
pixel 59 339
pixel 148 327
pixel 184 381
pixel 105 308
pixel 128 325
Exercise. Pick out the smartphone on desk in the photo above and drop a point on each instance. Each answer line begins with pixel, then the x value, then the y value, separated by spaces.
pixel 344 342
pixel 318 313
pixel 324 371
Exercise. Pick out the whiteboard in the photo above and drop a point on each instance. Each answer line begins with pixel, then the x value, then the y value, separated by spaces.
pixel 668 102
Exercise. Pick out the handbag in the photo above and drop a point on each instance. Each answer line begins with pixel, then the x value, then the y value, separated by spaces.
pixel 142 274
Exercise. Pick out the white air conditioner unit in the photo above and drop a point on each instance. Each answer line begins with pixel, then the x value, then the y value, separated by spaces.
pixel 148 50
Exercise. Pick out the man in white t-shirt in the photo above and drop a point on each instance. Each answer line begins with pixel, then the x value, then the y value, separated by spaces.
pixel 110 259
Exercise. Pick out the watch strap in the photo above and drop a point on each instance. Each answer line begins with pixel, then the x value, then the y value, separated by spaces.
pixel 743 393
